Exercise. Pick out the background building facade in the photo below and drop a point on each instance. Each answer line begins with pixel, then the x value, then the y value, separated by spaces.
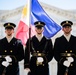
pixel 58 15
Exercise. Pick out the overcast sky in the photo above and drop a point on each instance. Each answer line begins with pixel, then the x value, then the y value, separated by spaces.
pixel 12 4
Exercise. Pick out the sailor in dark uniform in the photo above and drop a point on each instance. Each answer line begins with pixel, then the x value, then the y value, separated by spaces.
pixel 41 52
pixel 11 52
pixel 65 51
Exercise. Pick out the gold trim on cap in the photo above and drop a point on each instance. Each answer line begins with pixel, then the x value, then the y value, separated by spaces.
pixel 66 23
pixel 9 25
pixel 39 24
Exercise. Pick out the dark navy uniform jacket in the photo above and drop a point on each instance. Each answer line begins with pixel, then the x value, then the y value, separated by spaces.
pixel 14 49
pixel 61 48
pixel 39 48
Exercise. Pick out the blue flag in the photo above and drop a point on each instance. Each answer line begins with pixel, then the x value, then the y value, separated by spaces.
pixel 38 14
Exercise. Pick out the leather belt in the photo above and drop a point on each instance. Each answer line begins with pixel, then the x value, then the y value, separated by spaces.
pixel 38 54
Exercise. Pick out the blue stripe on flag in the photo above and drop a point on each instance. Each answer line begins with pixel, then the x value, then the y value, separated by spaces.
pixel 38 14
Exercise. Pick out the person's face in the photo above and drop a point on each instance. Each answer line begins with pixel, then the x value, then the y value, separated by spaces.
pixel 39 30
pixel 9 32
pixel 67 29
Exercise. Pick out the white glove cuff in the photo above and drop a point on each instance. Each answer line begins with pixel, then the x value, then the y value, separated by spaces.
pixel 70 59
pixel 66 63
pixel 8 59
pixel 5 63
pixel 40 59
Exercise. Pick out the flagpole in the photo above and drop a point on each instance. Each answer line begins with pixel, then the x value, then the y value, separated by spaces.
pixel 29 23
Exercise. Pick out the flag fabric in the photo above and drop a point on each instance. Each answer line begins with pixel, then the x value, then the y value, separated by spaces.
pixel 23 27
pixel 37 14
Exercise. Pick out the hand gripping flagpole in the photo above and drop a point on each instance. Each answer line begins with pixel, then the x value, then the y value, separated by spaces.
pixel 66 71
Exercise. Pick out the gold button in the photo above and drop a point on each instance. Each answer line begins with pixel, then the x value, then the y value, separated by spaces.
pixel 66 51
pixel 34 51
pixel 43 64
pixel 66 57
pixel 11 51
pixel 10 63
pixel 71 65
pixel 39 54
pixel 5 51
pixel 70 50
pixel 68 54
pixel 37 51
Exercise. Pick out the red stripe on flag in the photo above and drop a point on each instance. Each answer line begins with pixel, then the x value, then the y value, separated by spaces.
pixel 23 32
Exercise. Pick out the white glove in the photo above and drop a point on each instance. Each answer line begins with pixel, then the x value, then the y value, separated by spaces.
pixel 8 59
pixel 40 59
pixel 26 71
pixel 5 63
pixel 70 59
pixel 66 63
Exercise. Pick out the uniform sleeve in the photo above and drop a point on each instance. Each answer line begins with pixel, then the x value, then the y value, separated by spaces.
pixel 50 52
pixel 57 53
pixel 20 52
pixel 27 55
pixel 1 57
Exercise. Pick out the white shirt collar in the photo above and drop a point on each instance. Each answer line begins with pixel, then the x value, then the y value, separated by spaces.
pixel 39 37
pixel 67 37
pixel 9 38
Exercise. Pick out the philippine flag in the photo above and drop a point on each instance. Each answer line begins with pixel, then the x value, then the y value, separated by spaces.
pixel 37 14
